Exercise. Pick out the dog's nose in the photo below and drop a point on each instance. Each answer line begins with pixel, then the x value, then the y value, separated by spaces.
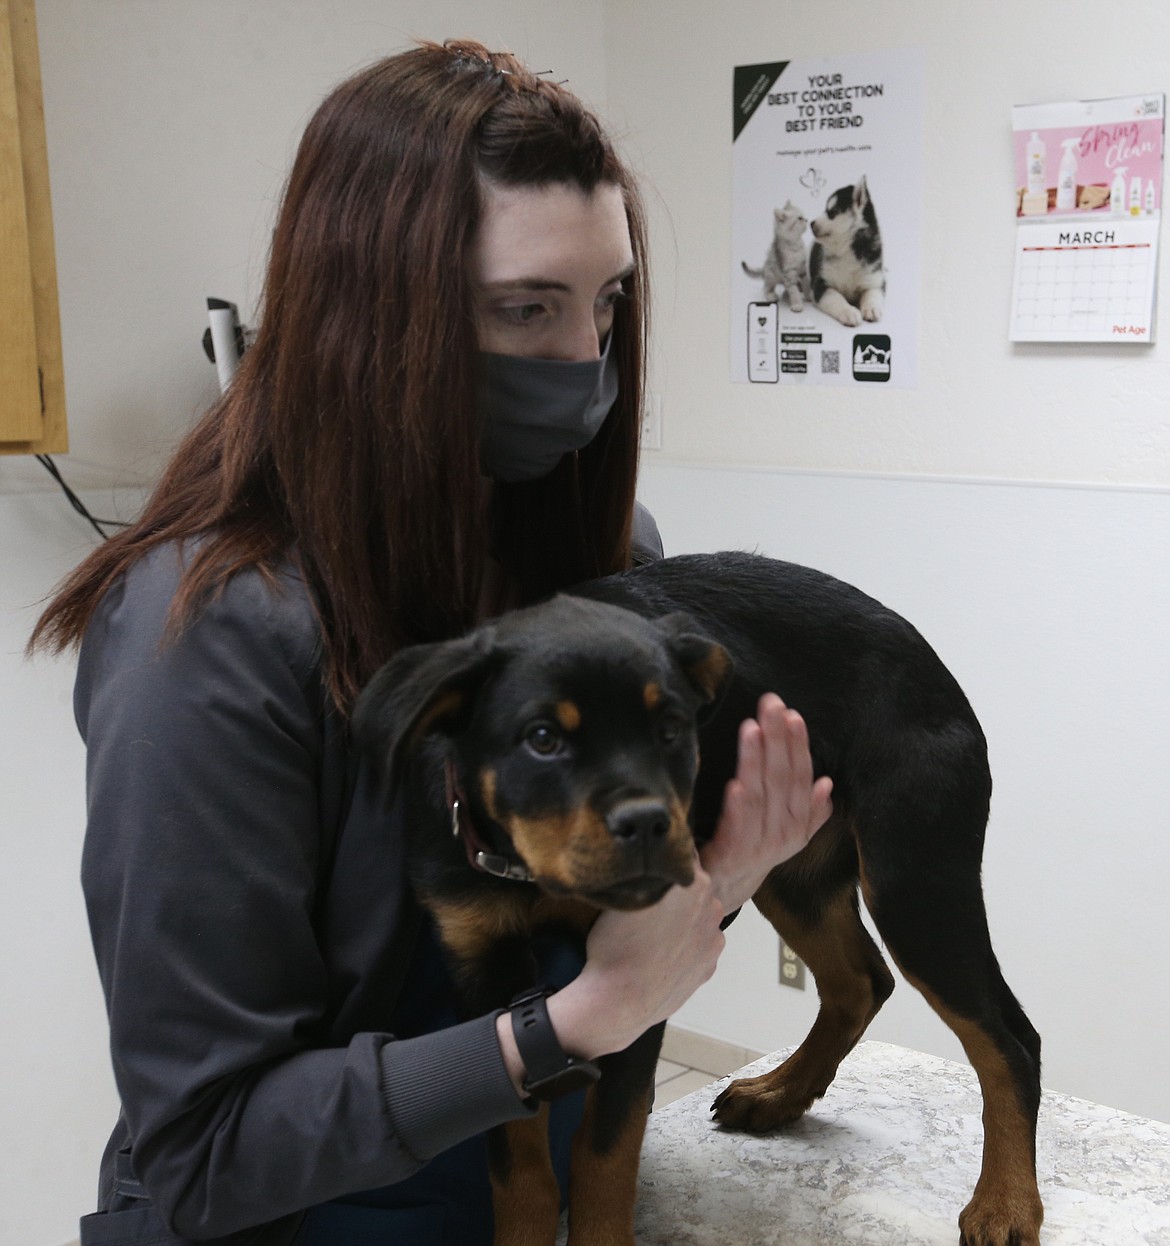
pixel 639 822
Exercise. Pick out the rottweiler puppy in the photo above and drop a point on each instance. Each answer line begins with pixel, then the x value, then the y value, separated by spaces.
pixel 551 768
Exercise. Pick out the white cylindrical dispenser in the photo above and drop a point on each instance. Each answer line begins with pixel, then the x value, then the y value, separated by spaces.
pixel 1037 170
pixel 1034 201
pixel 1066 182
pixel 1117 193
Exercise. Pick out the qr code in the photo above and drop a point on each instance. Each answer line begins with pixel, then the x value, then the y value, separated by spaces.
pixel 830 361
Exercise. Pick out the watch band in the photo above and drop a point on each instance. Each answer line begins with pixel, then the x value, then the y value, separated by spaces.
pixel 549 1072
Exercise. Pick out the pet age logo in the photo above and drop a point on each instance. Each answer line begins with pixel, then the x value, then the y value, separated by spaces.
pixel 871 357
pixel 826 103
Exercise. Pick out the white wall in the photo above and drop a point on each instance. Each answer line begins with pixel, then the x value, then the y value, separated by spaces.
pixel 984 407
pixel 1049 605
pixel 57 1092
pixel 169 128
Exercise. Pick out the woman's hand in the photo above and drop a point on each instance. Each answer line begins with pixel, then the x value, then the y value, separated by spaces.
pixel 640 968
pixel 771 809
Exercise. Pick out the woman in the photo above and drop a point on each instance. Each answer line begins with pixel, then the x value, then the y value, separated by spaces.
pixel 438 421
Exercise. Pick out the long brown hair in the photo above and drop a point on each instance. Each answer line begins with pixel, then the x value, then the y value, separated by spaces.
pixel 348 438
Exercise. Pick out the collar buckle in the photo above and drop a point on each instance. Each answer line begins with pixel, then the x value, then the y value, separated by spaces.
pixel 493 863
pixel 500 867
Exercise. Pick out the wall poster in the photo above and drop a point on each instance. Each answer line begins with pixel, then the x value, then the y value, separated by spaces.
pixel 826 220
pixel 1088 203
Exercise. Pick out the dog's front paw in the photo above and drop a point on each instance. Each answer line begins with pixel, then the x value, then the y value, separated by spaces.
pixel 759 1104
pixel 872 309
pixel 1002 1217
pixel 795 301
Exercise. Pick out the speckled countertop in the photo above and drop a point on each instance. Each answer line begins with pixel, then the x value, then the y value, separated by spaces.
pixel 888 1158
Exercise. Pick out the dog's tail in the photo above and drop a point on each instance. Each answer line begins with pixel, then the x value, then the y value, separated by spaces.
pixel 751 272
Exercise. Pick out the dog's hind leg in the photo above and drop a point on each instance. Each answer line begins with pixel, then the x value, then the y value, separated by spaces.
pixel 604 1173
pixel 853 982
pixel 940 941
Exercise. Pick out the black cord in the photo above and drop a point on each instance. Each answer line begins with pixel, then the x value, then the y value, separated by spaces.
pixel 74 501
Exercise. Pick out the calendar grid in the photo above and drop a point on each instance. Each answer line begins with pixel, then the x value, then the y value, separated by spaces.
pixel 1083 291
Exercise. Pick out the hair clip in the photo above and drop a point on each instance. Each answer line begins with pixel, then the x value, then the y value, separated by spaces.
pixel 480 63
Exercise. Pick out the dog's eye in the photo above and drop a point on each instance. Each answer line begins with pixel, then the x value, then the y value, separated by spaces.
pixel 544 740
pixel 670 728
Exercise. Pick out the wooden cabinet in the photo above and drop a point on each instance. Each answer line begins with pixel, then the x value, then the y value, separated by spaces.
pixel 32 388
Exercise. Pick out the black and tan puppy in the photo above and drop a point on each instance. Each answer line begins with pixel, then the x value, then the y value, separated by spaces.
pixel 567 736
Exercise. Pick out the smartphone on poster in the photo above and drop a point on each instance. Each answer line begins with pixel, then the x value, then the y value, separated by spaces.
pixel 763 365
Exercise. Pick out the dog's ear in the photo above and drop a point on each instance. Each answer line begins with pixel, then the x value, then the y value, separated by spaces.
pixel 860 194
pixel 704 662
pixel 423 688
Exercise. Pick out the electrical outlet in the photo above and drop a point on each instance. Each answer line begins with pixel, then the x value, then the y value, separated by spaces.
pixel 652 422
pixel 791 968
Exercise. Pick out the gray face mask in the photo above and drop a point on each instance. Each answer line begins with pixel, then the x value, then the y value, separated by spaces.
pixel 536 410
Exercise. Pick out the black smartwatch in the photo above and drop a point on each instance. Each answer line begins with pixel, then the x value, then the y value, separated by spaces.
pixel 549 1073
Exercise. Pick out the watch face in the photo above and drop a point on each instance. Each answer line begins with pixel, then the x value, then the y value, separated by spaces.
pixel 578 1075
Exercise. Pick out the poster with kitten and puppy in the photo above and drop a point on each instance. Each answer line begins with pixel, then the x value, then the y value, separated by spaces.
pixel 826 220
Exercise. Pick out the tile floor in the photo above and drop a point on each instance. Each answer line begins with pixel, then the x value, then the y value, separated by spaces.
pixel 672 1081
pixel 690 1061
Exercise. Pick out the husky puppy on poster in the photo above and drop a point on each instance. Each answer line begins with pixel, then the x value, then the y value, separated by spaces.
pixel 845 264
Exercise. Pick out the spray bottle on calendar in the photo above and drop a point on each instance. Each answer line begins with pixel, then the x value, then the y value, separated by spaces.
pixel 1118 193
